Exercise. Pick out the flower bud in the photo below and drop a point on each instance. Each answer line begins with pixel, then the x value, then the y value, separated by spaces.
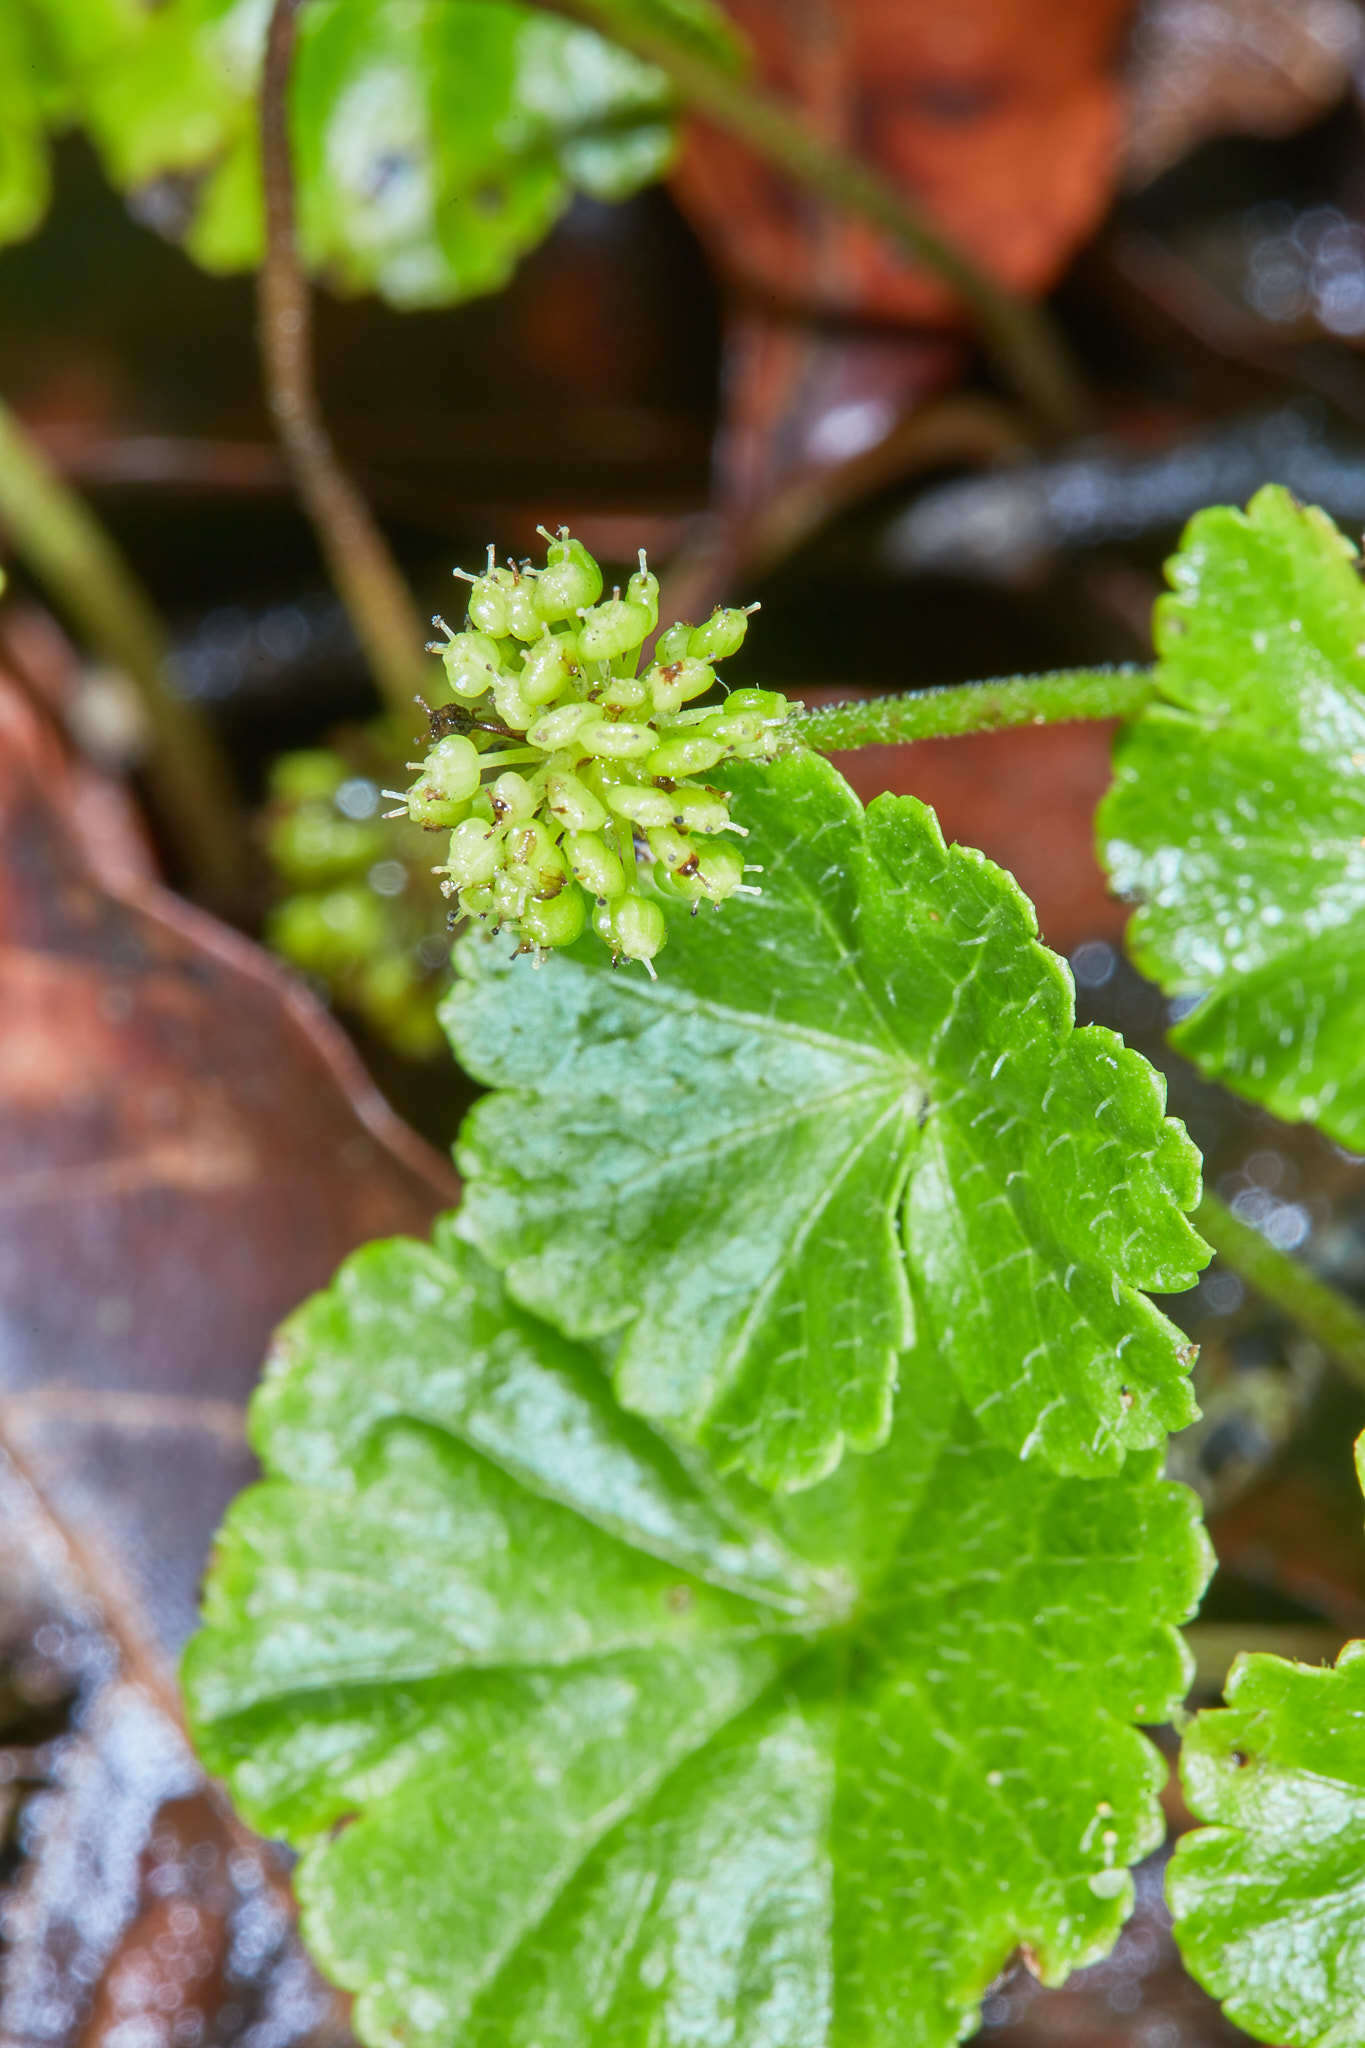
pixel 641 804
pixel 616 740
pixel 545 671
pixel 570 800
pixel 570 581
pixel 613 628
pixel 690 753
pixel 592 862
pixel 475 856
pixel 722 634
pixel 637 927
pixel 554 920
pixel 471 662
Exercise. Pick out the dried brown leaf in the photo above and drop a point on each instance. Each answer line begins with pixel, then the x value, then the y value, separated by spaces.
pixel 187 1147
pixel 1002 117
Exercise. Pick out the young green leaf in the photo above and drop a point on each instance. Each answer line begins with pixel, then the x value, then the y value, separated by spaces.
pixel 30 97
pixel 853 1118
pixel 435 141
pixel 1237 817
pixel 1267 1898
pixel 580 1747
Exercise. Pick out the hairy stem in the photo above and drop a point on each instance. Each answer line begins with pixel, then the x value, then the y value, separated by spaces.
pixel 1317 1308
pixel 88 580
pixel 1055 699
pixel 359 560
pixel 1020 337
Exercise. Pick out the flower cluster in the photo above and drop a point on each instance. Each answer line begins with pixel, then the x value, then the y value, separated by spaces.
pixel 567 776
pixel 358 909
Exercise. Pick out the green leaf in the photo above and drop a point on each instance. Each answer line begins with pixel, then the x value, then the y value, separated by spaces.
pixel 435 141
pixel 30 97
pixel 1267 1898
pixel 1267 1901
pixel 852 1119
pixel 1237 817
pixel 581 1747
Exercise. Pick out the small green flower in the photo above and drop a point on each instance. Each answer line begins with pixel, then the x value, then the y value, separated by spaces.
pixel 565 775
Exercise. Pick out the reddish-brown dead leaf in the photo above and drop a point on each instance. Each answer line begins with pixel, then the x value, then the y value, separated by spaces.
pixel 187 1148
pixel 1001 117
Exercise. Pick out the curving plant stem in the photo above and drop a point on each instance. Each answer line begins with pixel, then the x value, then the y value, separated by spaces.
pixel 88 580
pixel 1336 1323
pixel 367 578
pixel 1060 697
pixel 1025 345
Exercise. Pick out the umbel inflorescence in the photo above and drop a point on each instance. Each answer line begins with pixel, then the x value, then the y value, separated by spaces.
pixel 567 776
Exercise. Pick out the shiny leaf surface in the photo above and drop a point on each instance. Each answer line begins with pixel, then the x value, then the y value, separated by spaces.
pixel 1267 1896
pixel 1237 818
pixel 622 1755
pixel 852 1119
pixel 435 141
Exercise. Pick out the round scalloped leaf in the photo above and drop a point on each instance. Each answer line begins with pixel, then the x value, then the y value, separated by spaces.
pixel 1266 1898
pixel 852 1119
pixel 435 141
pixel 1237 817
pixel 623 1756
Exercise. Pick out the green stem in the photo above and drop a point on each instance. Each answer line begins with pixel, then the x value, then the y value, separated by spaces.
pixel 1317 1308
pixel 88 580
pixel 367 578
pixel 949 713
pixel 1017 333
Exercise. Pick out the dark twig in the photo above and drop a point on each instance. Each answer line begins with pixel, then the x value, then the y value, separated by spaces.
pixel 358 557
